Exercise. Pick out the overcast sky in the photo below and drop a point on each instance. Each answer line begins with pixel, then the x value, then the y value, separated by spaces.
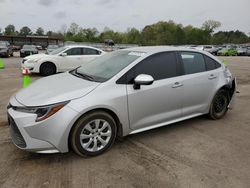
pixel 122 14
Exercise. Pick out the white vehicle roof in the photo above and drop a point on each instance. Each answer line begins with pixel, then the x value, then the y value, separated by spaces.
pixel 155 49
pixel 82 46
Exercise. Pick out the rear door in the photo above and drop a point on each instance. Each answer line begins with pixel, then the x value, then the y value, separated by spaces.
pixel 155 104
pixel 199 83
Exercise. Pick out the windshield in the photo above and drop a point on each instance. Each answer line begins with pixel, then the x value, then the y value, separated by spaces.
pixel 105 67
pixel 28 47
pixel 57 51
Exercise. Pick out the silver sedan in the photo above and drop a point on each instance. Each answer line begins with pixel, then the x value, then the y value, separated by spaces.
pixel 121 93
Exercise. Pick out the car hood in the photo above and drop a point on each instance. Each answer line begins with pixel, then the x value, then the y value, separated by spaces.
pixel 55 89
pixel 35 56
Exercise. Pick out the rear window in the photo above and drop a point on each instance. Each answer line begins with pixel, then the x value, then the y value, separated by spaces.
pixel 89 51
pixel 193 62
pixel 211 64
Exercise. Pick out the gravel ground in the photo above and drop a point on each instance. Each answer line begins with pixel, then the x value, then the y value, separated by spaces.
pixel 195 153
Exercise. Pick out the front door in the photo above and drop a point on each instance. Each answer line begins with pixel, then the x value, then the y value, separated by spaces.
pixel 155 104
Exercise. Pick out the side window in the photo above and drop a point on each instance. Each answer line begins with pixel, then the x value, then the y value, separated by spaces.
pixel 159 66
pixel 90 51
pixel 211 64
pixel 193 62
pixel 74 51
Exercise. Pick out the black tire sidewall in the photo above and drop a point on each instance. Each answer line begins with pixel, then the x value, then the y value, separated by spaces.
pixel 212 112
pixel 83 121
pixel 47 66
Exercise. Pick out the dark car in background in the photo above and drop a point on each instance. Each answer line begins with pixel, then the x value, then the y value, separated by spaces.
pixel 5 49
pixel 28 50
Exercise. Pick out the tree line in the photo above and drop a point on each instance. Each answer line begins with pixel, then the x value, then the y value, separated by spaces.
pixel 160 33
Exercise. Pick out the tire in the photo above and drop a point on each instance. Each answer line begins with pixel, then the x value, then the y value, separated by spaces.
pixel 219 105
pixel 96 141
pixel 47 69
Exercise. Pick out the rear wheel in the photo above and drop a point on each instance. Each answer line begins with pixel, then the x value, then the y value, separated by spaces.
pixel 47 69
pixel 219 105
pixel 93 134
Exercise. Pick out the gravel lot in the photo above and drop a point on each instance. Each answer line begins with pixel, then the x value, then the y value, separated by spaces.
pixel 194 153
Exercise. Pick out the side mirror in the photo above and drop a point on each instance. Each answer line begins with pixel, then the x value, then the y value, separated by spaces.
pixel 63 54
pixel 143 79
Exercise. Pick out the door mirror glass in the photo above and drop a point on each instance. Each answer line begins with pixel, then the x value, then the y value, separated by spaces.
pixel 63 54
pixel 143 79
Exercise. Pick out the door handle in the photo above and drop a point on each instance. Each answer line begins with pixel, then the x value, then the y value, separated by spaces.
pixel 177 84
pixel 211 77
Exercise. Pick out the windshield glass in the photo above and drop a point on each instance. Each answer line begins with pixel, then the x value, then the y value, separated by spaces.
pixel 108 65
pixel 57 51
pixel 28 47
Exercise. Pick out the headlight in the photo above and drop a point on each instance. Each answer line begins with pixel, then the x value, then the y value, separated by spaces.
pixel 42 112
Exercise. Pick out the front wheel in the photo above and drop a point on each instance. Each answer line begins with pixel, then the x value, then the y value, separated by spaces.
pixel 93 134
pixel 47 69
pixel 219 106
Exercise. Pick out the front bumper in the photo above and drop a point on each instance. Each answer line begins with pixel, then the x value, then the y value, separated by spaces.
pixel 30 66
pixel 33 67
pixel 48 136
pixel 3 53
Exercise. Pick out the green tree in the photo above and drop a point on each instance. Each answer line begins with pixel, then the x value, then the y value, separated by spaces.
pixel 73 28
pixel 132 36
pixel 25 31
pixel 40 31
pixel 10 30
pixel 210 25
pixel 236 37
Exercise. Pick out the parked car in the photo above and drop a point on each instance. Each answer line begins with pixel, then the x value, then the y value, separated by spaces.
pixel 241 51
pixel 227 52
pixel 61 60
pixel 51 48
pixel 248 51
pixel 28 50
pixel 5 49
pixel 39 47
pixel 211 49
pixel 120 93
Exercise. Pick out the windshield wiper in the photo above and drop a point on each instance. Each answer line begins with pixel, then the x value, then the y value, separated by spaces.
pixel 87 77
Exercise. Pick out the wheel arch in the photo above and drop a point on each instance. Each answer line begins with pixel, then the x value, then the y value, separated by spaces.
pixel 108 111
pixel 50 62
pixel 226 87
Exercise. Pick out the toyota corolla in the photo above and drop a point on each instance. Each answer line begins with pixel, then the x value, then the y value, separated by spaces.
pixel 121 93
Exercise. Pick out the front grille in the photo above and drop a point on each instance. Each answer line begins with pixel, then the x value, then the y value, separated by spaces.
pixel 15 133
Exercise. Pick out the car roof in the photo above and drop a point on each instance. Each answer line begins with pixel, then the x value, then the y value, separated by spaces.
pixel 82 46
pixel 156 49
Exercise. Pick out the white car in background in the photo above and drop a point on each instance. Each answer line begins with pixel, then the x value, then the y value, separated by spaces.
pixel 60 60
